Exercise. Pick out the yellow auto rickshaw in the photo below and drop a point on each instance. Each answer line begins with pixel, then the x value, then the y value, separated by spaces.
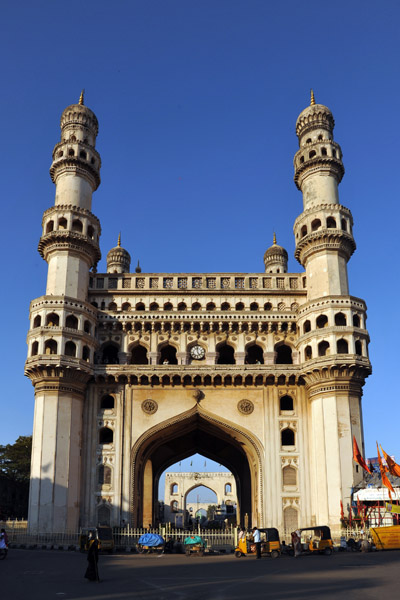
pixel 102 533
pixel 270 544
pixel 316 540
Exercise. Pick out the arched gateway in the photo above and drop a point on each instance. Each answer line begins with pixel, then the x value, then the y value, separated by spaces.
pixel 195 431
pixel 262 372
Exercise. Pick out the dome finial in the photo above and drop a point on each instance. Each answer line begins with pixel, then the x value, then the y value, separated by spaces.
pixel 81 97
pixel 312 102
pixel 119 240
pixel 138 268
pixel 274 239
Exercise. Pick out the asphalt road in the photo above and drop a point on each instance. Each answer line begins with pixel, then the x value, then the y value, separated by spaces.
pixel 45 575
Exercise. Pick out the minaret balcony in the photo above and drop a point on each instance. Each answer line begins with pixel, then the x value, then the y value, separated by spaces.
pixel 67 241
pixel 316 165
pixel 324 240
pixel 58 361
pixel 77 165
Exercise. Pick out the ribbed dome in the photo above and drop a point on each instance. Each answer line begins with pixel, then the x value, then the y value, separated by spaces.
pixel 275 258
pixel 275 250
pixel 315 116
pixel 118 259
pixel 79 114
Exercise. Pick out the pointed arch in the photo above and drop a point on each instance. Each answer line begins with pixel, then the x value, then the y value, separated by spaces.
pixel 237 448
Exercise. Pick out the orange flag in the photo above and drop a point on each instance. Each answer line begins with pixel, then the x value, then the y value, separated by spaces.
pixel 357 456
pixel 383 470
pixel 341 510
pixel 394 468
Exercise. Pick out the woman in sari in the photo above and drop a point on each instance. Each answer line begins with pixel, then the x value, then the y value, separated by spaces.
pixel 296 543
pixel 92 572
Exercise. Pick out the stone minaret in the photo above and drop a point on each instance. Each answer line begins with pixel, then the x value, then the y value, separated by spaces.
pixel 61 339
pixel 333 342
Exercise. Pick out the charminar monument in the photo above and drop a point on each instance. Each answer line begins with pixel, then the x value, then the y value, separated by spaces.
pixel 133 372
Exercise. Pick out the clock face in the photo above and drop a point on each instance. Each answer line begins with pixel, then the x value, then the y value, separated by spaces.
pixel 197 352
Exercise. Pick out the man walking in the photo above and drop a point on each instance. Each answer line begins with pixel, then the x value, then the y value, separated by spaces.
pixel 257 541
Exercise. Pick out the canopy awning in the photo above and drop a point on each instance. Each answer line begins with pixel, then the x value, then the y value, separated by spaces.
pixel 374 494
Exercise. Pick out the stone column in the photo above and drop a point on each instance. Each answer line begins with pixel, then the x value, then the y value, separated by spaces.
pixel 56 457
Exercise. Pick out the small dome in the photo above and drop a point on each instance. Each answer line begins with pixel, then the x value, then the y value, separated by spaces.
pixel 275 258
pixel 313 117
pixel 118 259
pixel 79 114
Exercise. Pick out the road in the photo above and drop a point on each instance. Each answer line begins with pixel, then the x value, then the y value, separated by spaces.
pixel 45 575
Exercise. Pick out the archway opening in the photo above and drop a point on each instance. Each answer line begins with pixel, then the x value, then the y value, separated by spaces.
pixel 194 434
pixel 254 355
pixel 139 355
pixel 201 505
pixel 168 355
pixel 226 355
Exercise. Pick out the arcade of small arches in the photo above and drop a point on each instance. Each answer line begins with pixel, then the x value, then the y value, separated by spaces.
pixel 51 346
pixel 60 325
pixel 74 219
pixel 322 321
pixel 127 307
pixel 167 354
pixel 346 344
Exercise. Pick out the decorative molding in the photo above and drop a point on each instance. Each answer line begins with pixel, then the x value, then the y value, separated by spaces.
pixel 149 406
pixel 245 407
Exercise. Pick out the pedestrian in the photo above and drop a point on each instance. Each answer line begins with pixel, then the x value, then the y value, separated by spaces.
pixel 4 542
pixel 257 541
pixel 296 543
pixel 4 536
pixel 92 571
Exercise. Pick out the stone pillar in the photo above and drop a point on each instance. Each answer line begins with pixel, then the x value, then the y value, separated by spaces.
pixel 269 358
pixel 153 357
pixel 182 358
pixel 148 494
pixel 211 358
pixel 56 458
pixel 123 358
pixel 240 358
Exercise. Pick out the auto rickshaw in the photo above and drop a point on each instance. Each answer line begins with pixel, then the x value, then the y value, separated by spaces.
pixel 270 544
pixel 316 540
pixel 150 542
pixel 102 533
pixel 194 544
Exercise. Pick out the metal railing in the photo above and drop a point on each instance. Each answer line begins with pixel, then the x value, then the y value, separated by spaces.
pixel 127 537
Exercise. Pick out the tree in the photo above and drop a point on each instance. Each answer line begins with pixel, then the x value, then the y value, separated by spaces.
pixel 15 459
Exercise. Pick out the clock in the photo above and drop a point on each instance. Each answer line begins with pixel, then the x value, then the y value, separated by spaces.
pixel 197 352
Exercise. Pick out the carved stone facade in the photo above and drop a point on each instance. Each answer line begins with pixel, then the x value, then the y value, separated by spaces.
pixel 179 485
pixel 262 372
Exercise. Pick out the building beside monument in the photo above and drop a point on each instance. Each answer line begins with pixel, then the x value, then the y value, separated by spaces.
pixel 133 372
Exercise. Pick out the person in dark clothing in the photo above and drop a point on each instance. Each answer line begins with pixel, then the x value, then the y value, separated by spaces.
pixel 92 571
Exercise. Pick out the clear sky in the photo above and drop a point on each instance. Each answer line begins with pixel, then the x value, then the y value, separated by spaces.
pixel 197 103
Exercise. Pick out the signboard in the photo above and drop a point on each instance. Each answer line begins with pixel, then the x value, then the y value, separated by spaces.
pixel 393 508
pixel 375 494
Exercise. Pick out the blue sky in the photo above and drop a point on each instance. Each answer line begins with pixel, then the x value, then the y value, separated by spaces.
pixel 197 103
